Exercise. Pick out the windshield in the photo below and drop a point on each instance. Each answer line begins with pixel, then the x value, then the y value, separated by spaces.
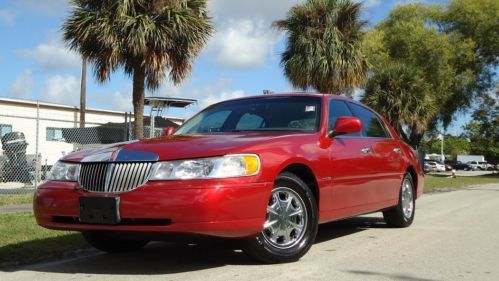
pixel 258 114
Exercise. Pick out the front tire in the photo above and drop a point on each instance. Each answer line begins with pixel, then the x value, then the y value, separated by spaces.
pixel 109 243
pixel 403 214
pixel 291 223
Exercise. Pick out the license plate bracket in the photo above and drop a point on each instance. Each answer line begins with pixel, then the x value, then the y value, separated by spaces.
pixel 100 210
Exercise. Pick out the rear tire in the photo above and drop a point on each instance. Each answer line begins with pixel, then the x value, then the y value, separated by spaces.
pixel 291 223
pixel 403 214
pixel 109 243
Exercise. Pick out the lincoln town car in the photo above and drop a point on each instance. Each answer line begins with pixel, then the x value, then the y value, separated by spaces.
pixel 264 170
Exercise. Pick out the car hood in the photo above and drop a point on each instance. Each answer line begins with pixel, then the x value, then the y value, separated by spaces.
pixel 183 147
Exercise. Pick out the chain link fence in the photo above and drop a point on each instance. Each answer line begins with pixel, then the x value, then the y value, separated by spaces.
pixel 30 145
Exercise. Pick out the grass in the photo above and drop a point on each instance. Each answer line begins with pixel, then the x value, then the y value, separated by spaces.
pixel 437 182
pixel 23 242
pixel 16 199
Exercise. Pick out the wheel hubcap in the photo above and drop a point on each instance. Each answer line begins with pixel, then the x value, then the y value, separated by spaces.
pixel 407 199
pixel 286 218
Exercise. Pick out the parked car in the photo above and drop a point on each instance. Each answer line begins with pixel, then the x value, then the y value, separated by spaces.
pixel 428 168
pixel 434 166
pixel 486 166
pixel 448 167
pixel 264 169
pixel 461 166
pixel 475 165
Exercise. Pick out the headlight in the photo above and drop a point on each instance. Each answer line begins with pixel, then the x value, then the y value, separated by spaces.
pixel 62 171
pixel 229 166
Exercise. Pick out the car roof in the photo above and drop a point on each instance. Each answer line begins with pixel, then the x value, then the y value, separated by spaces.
pixel 296 94
pixel 303 94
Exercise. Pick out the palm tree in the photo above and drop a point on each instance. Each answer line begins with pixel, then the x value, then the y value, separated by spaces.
pixel 149 39
pixel 323 46
pixel 404 98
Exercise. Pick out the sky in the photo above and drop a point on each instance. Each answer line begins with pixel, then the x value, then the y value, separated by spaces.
pixel 241 59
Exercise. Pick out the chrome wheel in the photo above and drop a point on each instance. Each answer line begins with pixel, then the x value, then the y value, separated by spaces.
pixel 286 219
pixel 407 198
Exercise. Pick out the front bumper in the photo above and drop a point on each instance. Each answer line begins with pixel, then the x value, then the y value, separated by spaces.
pixel 222 208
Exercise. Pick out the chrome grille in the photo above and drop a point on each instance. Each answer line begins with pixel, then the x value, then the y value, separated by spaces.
pixel 114 177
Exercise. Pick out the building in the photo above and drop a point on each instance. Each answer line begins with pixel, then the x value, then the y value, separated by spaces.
pixel 45 126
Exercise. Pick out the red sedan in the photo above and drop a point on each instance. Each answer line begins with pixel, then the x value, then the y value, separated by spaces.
pixel 264 169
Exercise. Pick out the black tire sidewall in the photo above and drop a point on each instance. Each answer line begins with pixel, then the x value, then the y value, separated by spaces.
pixel 264 251
pixel 407 221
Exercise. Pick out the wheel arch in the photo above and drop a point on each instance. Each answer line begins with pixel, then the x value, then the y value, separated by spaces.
pixel 414 176
pixel 306 174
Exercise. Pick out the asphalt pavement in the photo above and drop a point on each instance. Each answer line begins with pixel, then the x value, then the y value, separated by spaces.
pixel 455 237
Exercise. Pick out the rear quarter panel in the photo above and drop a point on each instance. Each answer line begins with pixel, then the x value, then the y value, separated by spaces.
pixel 411 159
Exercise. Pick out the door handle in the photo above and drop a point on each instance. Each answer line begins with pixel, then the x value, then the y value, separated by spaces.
pixel 397 150
pixel 367 150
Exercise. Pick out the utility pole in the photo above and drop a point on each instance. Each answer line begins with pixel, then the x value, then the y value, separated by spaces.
pixel 83 92
pixel 442 156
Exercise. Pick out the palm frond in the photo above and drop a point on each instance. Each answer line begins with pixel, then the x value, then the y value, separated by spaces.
pixel 163 36
pixel 323 46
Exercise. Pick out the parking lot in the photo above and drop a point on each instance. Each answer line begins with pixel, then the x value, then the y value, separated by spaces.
pixel 446 242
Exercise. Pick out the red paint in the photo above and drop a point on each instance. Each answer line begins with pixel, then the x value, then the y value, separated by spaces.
pixel 349 182
pixel 347 125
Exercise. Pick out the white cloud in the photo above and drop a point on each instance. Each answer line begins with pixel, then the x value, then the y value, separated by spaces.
pixel 267 10
pixel 122 100
pixel 209 99
pixel 244 43
pixel 214 98
pixel 6 17
pixel 52 56
pixel 23 86
pixel 244 37
pixel 61 89
pixel 207 94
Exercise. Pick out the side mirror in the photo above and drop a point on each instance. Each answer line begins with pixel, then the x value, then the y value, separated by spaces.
pixel 346 125
pixel 168 131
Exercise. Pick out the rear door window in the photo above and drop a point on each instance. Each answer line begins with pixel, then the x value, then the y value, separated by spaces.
pixel 372 125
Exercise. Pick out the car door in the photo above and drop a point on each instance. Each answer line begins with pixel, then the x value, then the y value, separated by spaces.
pixel 351 166
pixel 387 164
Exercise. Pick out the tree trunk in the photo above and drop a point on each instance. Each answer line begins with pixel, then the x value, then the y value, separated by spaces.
pixel 138 100
pixel 83 92
pixel 415 138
